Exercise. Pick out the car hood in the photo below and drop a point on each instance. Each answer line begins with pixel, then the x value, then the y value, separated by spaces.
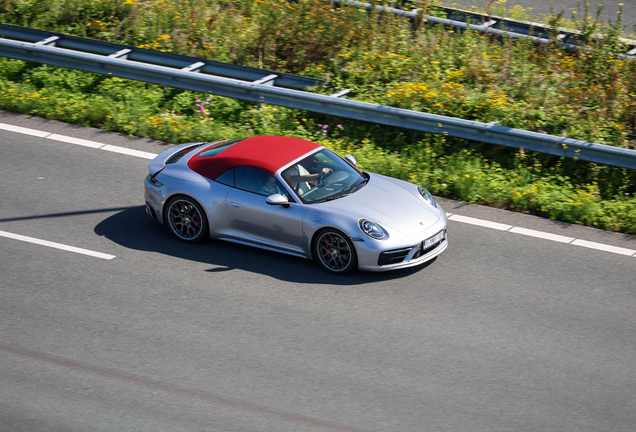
pixel 388 203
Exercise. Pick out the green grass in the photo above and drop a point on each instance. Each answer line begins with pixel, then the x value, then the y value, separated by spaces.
pixel 589 96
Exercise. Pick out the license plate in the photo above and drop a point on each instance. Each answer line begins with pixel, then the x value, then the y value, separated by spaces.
pixel 430 242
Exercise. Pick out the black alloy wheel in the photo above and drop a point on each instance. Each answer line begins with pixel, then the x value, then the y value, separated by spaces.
pixel 186 219
pixel 334 251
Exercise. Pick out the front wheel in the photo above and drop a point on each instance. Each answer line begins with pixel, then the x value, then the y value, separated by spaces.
pixel 186 219
pixel 334 251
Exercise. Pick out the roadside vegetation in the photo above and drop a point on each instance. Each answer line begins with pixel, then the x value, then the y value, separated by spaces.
pixel 384 59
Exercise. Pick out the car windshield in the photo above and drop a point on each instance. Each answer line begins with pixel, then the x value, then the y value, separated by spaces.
pixel 323 176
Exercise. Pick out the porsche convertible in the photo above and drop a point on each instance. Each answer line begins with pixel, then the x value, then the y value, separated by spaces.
pixel 296 197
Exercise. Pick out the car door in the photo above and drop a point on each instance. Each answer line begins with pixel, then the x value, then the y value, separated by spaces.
pixel 273 225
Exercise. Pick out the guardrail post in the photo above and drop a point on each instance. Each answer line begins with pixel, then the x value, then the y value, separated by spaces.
pixel 268 80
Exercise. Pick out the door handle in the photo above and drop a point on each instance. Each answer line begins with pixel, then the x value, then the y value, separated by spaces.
pixel 235 204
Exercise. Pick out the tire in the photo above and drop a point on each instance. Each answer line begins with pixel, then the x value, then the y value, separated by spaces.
pixel 186 219
pixel 334 251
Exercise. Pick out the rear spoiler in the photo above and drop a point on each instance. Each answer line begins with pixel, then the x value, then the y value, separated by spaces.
pixel 172 155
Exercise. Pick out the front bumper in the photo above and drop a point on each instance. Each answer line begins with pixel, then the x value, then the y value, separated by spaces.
pixel 409 254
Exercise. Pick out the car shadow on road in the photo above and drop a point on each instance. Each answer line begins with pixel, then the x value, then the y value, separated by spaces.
pixel 133 229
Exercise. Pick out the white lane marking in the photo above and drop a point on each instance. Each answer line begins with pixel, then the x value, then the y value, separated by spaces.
pixel 56 245
pixel 25 131
pixel 604 247
pixel 76 141
pixel 129 152
pixel 480 222
pixel 449 216
pixel 541 234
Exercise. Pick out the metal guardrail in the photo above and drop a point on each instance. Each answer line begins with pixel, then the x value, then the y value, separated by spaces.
pixel 158 58
pixel 531 29
pixel 259 92
pixel 492 25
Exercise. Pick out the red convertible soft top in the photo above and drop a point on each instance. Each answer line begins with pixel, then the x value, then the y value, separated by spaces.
pixel 268 153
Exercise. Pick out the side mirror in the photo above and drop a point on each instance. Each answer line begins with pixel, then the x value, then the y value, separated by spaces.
pixel 277 199
pixel 351 160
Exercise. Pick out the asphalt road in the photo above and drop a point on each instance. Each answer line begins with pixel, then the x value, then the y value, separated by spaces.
pixel 502 332
pixel 546 7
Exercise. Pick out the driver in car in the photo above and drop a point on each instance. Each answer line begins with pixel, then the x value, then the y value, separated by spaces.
pixel 299 173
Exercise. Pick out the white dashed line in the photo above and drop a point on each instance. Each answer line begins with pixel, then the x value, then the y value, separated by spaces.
pixel 56 245
pixel 25 131
pixel 147 155
pixel 129 152
pixel 78 141
pixel 480 222
pixel 604 247
pixel 541 234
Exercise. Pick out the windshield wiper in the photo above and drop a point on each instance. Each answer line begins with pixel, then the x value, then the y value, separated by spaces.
pixel 346 192
pixel 355 187
pixel 362 183
pixel 331 198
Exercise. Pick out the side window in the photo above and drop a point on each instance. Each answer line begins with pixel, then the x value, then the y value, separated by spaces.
pixel 258 181
pixel 250 179
pixel 273 186
pixel 227 178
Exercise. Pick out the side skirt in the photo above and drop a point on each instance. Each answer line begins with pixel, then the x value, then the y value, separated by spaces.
pixel 261 246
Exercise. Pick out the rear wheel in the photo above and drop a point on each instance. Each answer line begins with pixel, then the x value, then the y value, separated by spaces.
pixel 334 251
pixel 186 219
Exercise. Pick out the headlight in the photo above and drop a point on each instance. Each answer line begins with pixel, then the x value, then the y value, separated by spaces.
pixel 373 230
pixel 427 196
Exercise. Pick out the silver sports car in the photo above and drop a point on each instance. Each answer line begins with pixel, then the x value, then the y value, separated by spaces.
pixel 297 197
